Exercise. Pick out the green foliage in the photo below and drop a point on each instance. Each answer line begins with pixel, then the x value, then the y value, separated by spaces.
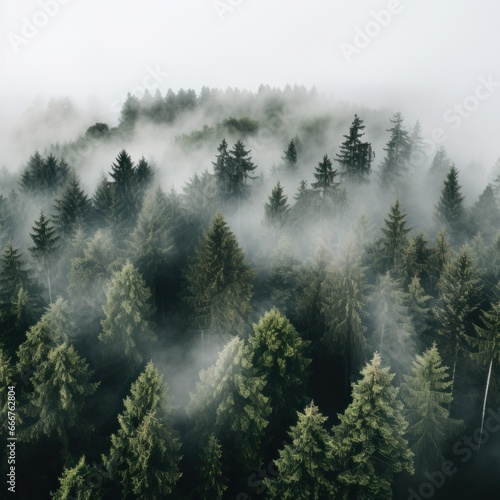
pixel 44 176
pixel 212 481
pixel 279 356
pixel 126 329
pixel 61 386
pixel 76 483
pixel 395 237
pixel 427 395
pixel 277 208
pixel 229 401
pixel 450 210
pixel 290 157
pixel 355 157
pixel 369 446
pixel 144 454
pixel 219 282
pixel 304 465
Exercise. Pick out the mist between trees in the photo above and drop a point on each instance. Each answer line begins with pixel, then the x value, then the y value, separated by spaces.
pixel 226 280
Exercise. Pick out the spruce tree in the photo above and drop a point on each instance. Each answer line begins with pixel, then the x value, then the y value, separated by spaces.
pixel 398 151
pixel 343 307
pixel 459 296
pixel 103 201
pixel 427 394
pixel 485 214
pixel 76 483
pixel 240 169
pixel 229 401
pixel 440 165
pixel 45 245
pixel 126 330
pixel 450 209
pixel 279 355
pixel 222 171
pixel 418 155
pixel 369 445
pixel 394 333
pixel 355 156
pixel 417 261
pixel 61 386
pixel 219 282
pixel 304 465
pixel 419 304
pixel 144 455
pixel 395 237
pixel 325 182
pixel 212 480
pixel 290 157
pixel 277 209
pixel 73 209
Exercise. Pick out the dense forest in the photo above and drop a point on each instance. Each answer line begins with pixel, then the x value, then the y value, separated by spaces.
pixel 248 295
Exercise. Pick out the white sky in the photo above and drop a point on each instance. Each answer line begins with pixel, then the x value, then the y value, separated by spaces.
pixel 429 56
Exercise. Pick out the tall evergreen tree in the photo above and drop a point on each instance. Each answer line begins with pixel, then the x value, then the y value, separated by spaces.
pixel 61 386
pixel 325 181
pixel 279 355
pixel 459 296
pixel 355 156
pixel 219 282
pixel 240 168
pixel 222 171
pixel 450 209
pixel 290 157
pixel 129 113
pixel 304 465
pixel 485 214
pixel 212 481
pixel 369 445
pixel 126 329
pixel 229 401
pixel 73 209
pixel 419 306
pixel 395 237
pixel 144 455
pixel 277 209
pixel 45 245
pixel 418 155
pixel 398 151
pixel 76 483
pixel 103 201
pixel 440 165
pixel 427 394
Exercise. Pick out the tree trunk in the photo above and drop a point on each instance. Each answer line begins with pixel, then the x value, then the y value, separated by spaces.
pixel 484 403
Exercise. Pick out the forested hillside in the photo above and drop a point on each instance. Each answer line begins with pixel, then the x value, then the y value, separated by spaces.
pixel 244 295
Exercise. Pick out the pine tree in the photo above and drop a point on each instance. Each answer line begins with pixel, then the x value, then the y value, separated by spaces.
pixel 129 113
pixel 44 176
pixel 6 221
pixel 290 157
pixel 103 201
pixel 219 282
pixel 459 295
pixel 485 214
pixel 395 237
pixel 418 155
pixel 427 393
pixel 230 403
pixel 305 203
pixel 73 209
pixel 240 170
pixel 61 386
pixel 212 481
pixel 355 156
pixel 450 210
pixel 419 306
pixel 416 260
pixel 222 171
pixel 76 483
pixel 343 308
pixel 325 181
pixel 486 346
pixel 152 244
pixel 45 245
pixel 398 151
pixel 144 455
pixel 277 209
pixel 279 355
pixel 369 446
pixel 440 165
pixel 126 329
pixel 32 173
pixel 304 465
pixel 394 334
